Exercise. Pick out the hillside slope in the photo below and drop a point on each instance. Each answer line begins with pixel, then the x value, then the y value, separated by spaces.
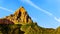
pixel 21 23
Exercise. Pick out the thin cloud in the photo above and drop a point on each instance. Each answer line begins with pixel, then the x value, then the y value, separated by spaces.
pixel 57 19
pixel 6 9
pixel 45 11
pixel 35 6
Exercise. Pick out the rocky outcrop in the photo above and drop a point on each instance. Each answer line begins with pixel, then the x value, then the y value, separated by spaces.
pixel 5 21
pixel 20 17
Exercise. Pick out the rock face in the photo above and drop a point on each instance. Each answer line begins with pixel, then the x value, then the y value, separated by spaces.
pixel 5 21
pixel 20 17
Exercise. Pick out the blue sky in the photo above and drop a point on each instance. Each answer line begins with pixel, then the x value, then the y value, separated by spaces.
pixel 45 12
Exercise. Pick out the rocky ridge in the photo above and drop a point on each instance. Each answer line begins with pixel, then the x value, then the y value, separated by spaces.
pixel 20 17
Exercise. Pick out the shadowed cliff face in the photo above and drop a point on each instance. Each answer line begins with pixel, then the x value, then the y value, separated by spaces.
pixel 10 29
pixel 20 17
pixel 5 21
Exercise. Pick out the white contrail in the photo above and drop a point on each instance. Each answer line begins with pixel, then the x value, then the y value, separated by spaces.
pixel 46 12
pixel 57 19
pixel 6 9
pixel 35 6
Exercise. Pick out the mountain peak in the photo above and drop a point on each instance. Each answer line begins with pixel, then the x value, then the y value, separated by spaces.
pixel 20 10
pixel 21 7
pixel 20 16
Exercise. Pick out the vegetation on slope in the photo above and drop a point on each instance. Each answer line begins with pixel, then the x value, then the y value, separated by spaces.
pixel 31 28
